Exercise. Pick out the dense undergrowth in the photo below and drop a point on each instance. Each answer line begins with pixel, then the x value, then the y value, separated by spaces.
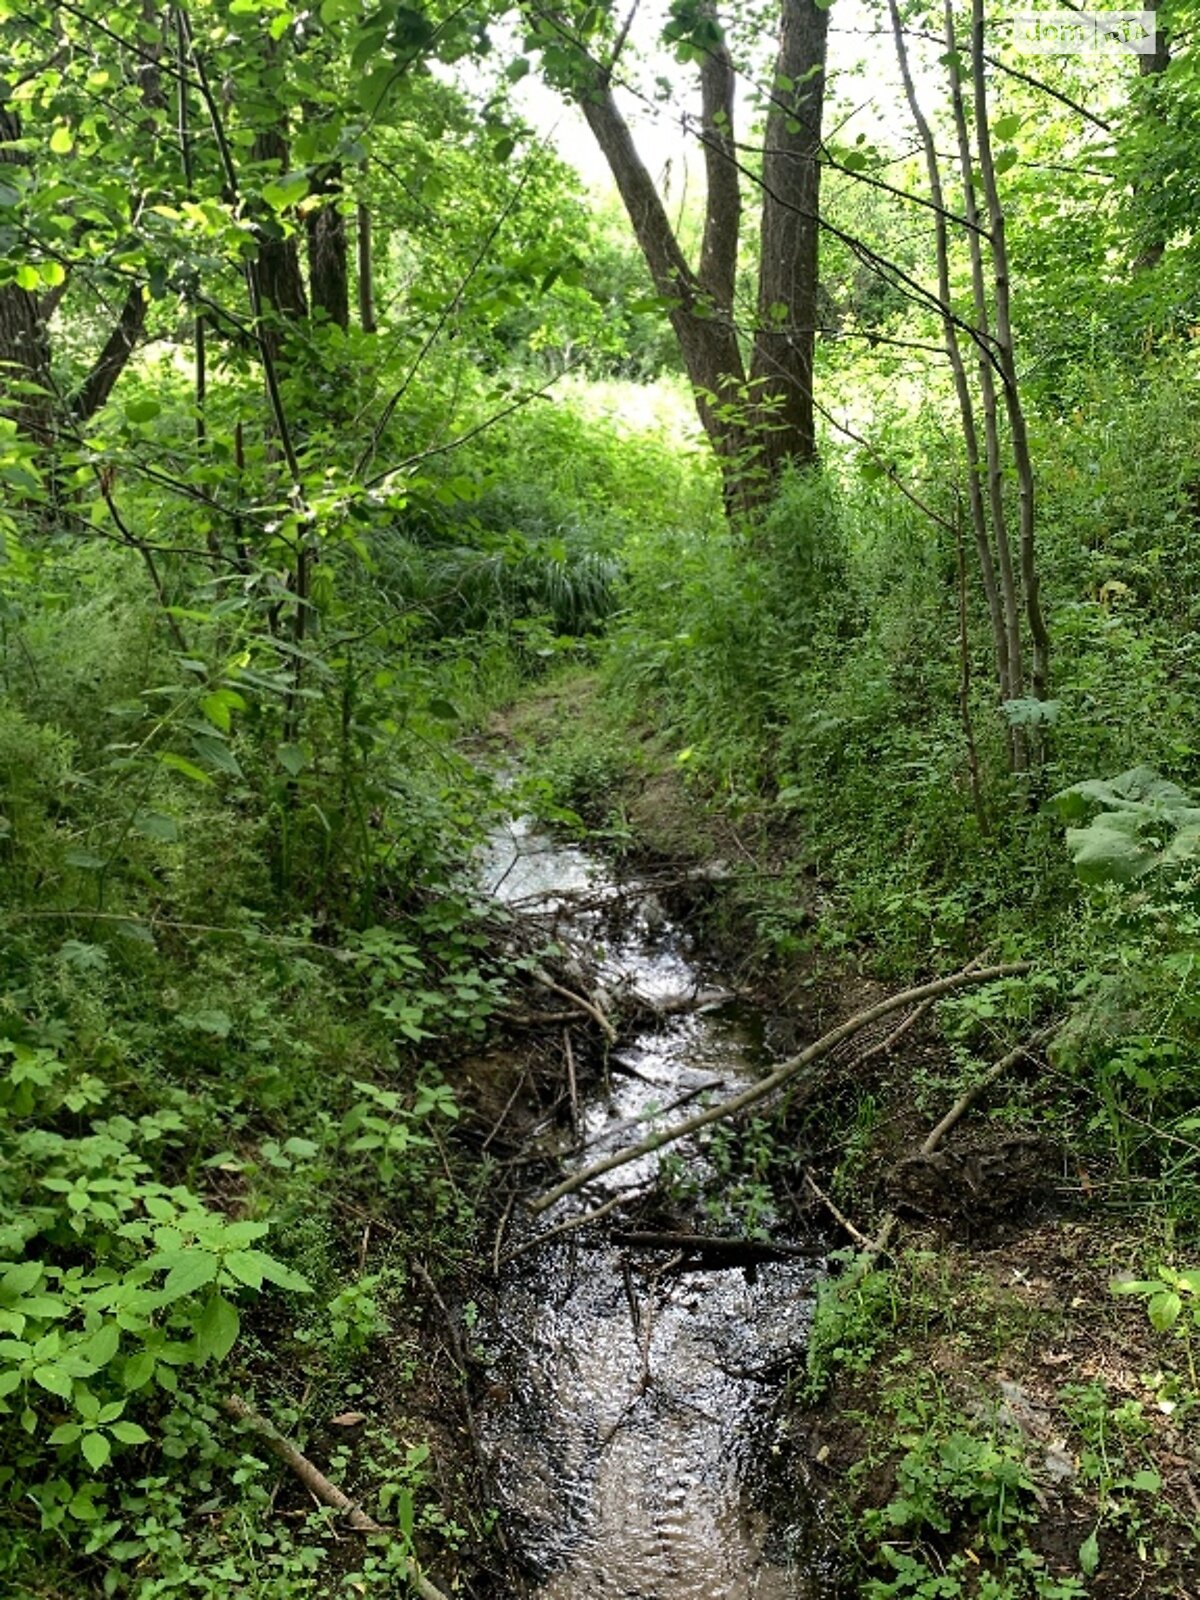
pixel 236 965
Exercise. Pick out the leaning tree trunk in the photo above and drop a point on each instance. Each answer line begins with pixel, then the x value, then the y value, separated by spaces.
pixel 782 369
pixel 703 327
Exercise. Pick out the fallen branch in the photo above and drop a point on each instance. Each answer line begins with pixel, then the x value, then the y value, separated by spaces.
pixel 572 1087
pixel 677 1104
pixel 319 1485
pixel 778 1079
pixel 713 1250
pixel 588 1007
pixel 563 1228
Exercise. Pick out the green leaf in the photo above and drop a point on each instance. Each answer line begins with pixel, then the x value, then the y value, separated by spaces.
pixel 283 1277
pixel 29 278
pixel 217 754
pixel 62 140
pixel 85 860
pixel 1164 1310
pixel 245 1267
pixel 96 1450
pixel 218 1328
pixel 193 1272
pixel 286 191
pixel 130 1433
pixel 1089 1554
pixel 138 1370
pixel 100 1349
pixel 55 1380
pixel 216 708
pixel 143 410
pixel 182 764
pixel 1112 849
pixel 157 825
pixel 292 759
pixel 1146 1480
pixel 1005 128
pixel 20 1279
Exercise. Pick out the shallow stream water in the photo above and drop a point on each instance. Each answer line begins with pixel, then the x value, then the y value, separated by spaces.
pixel 628 1424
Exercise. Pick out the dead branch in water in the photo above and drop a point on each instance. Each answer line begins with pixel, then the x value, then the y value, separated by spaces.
pixel 713 1250
pixel 569 1226
pixel 780 1078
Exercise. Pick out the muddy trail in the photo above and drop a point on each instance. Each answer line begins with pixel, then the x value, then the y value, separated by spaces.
pixel 633 1371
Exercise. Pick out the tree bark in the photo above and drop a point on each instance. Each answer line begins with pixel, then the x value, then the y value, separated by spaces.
pixel 782 369
pixel 723 205
pixel 24 340
pixel 328 252
pixel 110 363
pixel 366 269
pixel 279 277
pixel 1039 668
pixel 1003 611
pixel 1153 66
pixel 707 342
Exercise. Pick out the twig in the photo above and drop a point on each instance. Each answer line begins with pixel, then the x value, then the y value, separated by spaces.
pixel 319 1485
pixel 910 1022
pixel 684 1099
pixel 969 1095
pixel 713 1249
pixel 565 1227
pixel 508 1105
pixel 777 1079
pixel 876 1246
pixel 893 1038
pixel 504 1216
pixel 588 1007
pixel 839 1216
pixel 573 1086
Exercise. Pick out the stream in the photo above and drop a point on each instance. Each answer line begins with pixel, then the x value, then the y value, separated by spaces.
pixel 628 1427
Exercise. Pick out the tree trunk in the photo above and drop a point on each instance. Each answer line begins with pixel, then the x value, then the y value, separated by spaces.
pixel 110 363
pixel 1153 66
pixel 705 331
pixel 366 269
pixel 279 277
pixel 328 253
pixel 24 340
pixel 782 369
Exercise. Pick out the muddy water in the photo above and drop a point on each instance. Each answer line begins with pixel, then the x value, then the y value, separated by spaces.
pixel 628 1423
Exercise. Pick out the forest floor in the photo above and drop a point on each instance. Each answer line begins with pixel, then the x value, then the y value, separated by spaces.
pixel 980 1414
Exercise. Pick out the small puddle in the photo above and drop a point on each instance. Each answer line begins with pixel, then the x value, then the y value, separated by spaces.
pixel 629 1419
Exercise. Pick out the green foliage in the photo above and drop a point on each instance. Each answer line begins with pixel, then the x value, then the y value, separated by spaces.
pixel 853 1313
pixel 1150 824
pixel 116 1283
